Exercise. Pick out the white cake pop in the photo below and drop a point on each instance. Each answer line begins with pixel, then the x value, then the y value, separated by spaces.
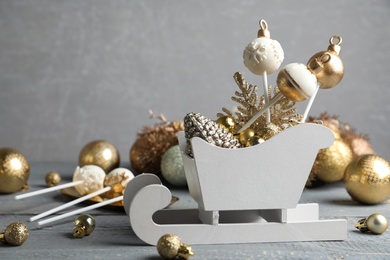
pixel 263 54
pixel 92 177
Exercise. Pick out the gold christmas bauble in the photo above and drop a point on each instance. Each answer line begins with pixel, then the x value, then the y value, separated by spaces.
pixel 246 135
pixel 14 170
pixel 169 246
pixel 227 122
pixel 100 153
pixel 332 161
pixel 52 179
pixel 15 234
pixel 367 179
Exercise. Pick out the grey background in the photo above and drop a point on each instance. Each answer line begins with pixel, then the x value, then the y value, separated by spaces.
pixel 75 71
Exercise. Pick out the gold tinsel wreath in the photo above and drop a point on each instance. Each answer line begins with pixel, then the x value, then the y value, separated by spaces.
pixel 152 142
pixel 359 143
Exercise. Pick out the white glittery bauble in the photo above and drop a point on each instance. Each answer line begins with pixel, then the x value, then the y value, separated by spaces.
pixel 263 54
pixel 92 177
pixel 118 171
pixel 172 167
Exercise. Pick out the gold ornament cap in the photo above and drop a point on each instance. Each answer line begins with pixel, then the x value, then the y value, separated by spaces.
pixel 263 32
pixel 15 234
pixel 327 65
pixel 375 223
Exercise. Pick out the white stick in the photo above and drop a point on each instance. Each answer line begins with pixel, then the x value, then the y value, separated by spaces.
pixel 262 111
pixel 309 104
pixel 38 192
pixel 75 212
pixel 71 203
pixel 265 86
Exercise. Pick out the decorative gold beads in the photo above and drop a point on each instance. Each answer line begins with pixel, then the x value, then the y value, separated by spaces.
pixel 100 153
pixel 84 225
pixel 246 135
pixel 375 223
pixel 15 234
pixel 14 170
pixel 169 246
pixel 367 179
pixel 52 179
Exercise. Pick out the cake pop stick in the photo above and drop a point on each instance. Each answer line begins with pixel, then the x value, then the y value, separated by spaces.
pixel 296 82
pixel 87 179
pixel 263 56
pixel 115 181
pixel 328 68
pixel 75 212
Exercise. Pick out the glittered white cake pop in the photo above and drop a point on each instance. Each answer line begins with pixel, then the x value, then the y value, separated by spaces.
pixel 118 179
pixel 263 54
pixel 92 177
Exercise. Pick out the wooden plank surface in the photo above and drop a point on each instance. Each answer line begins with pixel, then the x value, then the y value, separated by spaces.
pixel 113 237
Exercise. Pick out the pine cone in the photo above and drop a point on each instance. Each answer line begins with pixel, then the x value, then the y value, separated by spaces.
pixel 196 125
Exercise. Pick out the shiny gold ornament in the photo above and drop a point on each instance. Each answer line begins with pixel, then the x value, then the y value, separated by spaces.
pixel 327 65
pixel 14 170
pixel 367 179
pixel 15 234
pixel 52 179
pixel 169 246
pixel 255 140
pixel 246 135
pixel 100 153
pixel 227 122
pixel 332 161
pixel 151 144
pixel 84 225
pixel 376 223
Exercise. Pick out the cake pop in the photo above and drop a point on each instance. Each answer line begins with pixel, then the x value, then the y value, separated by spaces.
pixel 86 179
pixel 116 182
pixel 263 56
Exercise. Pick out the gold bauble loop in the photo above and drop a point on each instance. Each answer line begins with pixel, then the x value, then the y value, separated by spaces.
pixel 14 170
pixel 15 234
pixel 100 153
pixel 367 179
pixel 332 161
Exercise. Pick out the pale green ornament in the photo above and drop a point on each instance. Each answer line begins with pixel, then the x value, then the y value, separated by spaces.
pixel 172 167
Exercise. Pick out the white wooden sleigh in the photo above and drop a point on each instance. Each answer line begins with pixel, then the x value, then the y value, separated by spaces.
pixel 244 195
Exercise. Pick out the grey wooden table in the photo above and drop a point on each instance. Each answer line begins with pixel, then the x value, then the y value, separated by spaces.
pixel 113 237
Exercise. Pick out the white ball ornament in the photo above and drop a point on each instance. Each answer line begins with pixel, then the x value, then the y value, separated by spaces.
pixel 172 167
pixel 263 54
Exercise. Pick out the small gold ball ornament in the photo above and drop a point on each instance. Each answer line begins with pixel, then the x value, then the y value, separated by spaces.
pixel 246 135
pixel 15 234
pixel 332 161
pixel 375 223
pixel 84 225
pixel 367 179
pixel 169 246
pixel 52 178
pixel 14 170
pixel 100 153
pixel 227 122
